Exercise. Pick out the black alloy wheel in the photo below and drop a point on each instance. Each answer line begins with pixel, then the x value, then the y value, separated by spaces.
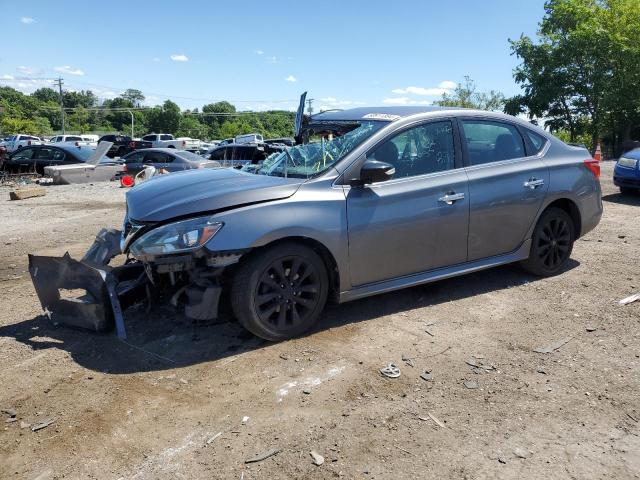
pixel 552 243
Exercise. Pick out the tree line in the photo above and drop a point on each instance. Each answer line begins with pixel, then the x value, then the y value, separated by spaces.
pixel 38 113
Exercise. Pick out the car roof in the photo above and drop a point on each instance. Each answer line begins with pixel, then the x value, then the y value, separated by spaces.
pixel 377 113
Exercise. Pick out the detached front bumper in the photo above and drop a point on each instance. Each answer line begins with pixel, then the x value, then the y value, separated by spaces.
pixel 89 293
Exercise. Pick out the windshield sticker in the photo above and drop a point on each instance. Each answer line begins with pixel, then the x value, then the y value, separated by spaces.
pixel 381 116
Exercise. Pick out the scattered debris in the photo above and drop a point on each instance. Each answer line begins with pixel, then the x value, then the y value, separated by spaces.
pixel 552 347
pixel 405 451
pixel 262 456
pixel 317 458
pixel 245 419
pixel 11 419
pixel 426 375
pixel 541 370
pixel 632 417
pixel 211 439
pixel 42 424
pixel 630 299
pixel 306 391
pixel 502 460
pixel 471 384
pixel 10 411
pixel 22 193
pixel 407 360
pixel 591 328
pixel 390 371
pixel 520 453
pixel 478 366
pixel 24 424
pixel 284 356
pixel 429 332
pixel 436 421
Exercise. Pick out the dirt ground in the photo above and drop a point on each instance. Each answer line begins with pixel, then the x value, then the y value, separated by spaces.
pixel 150 408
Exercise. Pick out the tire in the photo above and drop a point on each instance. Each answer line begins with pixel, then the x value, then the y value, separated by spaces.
pixel 279 293
pixel 627 191
pixel 551 243
pixel 171 146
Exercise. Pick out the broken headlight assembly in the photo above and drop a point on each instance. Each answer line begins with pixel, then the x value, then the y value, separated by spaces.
pixel 177 237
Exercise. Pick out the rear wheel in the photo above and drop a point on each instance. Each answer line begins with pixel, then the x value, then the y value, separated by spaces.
pixel 552 243
pixel 280 292
pixel 627 191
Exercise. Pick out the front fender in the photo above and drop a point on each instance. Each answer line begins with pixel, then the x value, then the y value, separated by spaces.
pixel 316 211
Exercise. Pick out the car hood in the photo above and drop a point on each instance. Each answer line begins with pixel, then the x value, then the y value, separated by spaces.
pixel 205 190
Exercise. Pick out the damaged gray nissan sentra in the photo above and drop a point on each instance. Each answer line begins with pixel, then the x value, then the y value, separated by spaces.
pixel 371 200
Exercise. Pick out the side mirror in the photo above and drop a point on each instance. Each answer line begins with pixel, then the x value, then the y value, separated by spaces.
pixel 373 171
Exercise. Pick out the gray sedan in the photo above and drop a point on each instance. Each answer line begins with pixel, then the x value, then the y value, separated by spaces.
pixel 378 199
pixel 168 159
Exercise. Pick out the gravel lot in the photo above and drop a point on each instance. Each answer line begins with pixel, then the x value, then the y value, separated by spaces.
pixel 152 407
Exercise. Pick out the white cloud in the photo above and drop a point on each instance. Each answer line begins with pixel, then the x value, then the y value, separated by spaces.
pixel 404 101
pixel 329 103
pixel 444 87
pixel 24 85
pixel 273 59
pixel 7 77
pixel 28 70
pixel 69 70
pixel 291 78
pixel 259 52
pixel 448 85
pixel 27 20
pixel 179 58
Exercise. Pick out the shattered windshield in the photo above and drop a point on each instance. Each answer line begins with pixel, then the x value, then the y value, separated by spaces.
pixel 328 144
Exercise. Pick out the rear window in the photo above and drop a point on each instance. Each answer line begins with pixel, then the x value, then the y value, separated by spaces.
pixel 189 156
pixel 537 141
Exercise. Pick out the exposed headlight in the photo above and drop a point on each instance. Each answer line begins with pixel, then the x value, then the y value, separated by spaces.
pixel 628 162
pixel 178 237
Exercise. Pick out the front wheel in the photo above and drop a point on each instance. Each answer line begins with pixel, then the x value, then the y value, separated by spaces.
pixel 280 292
pixel 552 243
pixel 627 191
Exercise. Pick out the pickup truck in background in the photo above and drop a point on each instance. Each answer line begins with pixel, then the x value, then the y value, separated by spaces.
pixel 16 142
pixel 123 145
pixel 76 140
pixel 166 140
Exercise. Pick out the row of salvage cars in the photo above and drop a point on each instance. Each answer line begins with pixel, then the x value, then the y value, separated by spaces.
pixel 370 200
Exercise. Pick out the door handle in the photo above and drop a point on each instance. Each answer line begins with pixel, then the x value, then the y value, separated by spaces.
pixel 451 197
pixel 533 183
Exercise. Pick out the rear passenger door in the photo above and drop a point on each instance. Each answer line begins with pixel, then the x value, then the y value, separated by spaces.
pixel 507 184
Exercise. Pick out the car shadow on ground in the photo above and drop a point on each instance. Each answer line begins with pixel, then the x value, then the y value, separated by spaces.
pixel 632 199
pixel 161 339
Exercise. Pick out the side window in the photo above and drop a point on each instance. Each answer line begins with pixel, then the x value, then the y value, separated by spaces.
pixel 45 154
pixel 157 157
pixel 24 154
pixel 217 154
pixel 74 139
pixel 149 138
pixel 420 150
pixel 489 141
pixel 166 137
pixel 537 141
pixel 135 157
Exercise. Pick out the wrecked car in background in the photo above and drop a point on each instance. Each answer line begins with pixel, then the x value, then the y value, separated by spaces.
pixel 371 200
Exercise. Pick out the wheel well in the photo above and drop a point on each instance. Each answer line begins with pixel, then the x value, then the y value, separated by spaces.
pixel 329 262
pixel 572 209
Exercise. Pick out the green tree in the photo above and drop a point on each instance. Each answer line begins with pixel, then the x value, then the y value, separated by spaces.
pixel 466 95
pixel 134 96
pixel 585 65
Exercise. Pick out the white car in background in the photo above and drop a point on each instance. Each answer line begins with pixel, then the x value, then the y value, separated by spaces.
pixel 16 142
pixel 77 140
pixel 166 140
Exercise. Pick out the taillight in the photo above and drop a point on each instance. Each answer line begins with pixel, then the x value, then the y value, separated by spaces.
pixel 593 165
pixel 132 145
pixel 184 143
pixel 125 169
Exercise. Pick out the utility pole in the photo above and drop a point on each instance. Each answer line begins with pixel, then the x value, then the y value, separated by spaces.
pixel 310 106
pixel 59 83
pixel 131 113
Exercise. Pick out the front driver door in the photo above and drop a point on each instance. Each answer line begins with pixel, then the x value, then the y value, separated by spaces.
pixel 418 220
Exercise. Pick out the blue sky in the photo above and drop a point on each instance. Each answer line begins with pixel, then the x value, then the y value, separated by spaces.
pixel 263 55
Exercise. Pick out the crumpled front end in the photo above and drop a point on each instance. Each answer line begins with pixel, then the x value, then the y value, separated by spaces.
pixel 89 293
